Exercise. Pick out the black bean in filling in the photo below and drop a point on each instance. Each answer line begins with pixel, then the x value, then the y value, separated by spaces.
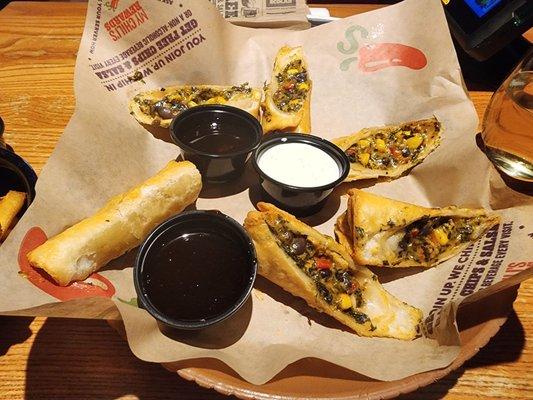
pixel 330 282
pixel 384 150
pixel 180 99
pixel 424 240
pixel 293 87
pixel 358 316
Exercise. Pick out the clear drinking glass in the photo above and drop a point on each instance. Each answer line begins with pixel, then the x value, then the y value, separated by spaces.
pixel 508 123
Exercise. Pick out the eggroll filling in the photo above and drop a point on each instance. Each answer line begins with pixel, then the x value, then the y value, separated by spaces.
pixel 292 87
pixel 178 100
pixel 335 283
pixel 427 238
pixel 387 150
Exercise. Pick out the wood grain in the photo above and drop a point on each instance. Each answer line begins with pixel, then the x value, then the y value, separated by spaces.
pixel 38 45
pixel 67 358
pixel 345 10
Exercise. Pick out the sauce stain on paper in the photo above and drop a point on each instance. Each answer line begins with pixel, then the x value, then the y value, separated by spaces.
pixel 100 286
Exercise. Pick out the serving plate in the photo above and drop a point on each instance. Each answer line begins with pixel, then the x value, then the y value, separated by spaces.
pixel 312 378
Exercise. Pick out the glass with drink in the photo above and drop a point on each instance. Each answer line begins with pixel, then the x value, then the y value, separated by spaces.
pixel 508 123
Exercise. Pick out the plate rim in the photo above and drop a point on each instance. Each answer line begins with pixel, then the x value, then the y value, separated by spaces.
pixel 487 330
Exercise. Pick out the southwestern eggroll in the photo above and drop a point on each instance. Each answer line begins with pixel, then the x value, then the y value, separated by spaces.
pixel 119 226
pixel 158 107
pixel 384 232
pixel 10 206
pixel 389 151
pixel 314 267
pixel 287 103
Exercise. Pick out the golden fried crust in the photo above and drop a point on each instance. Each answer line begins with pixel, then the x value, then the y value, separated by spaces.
pixel 274 263
pixel 395 319
pixel 371 220
pixel 249 103
pixel 432 127
pixel 120 225
pixel 273 118
pixel 372 212
pixel 299 226
pixel 10 205
pixel 343 232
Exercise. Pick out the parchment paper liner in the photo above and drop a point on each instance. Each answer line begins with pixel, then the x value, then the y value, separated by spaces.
pixel 103 151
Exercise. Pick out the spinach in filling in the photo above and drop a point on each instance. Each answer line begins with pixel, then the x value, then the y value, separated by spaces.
pixel 335 285
pixel 292 89
pixel 427 238
pixel 390 149
pixel 179 100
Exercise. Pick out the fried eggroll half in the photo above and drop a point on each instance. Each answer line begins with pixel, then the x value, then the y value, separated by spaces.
pixel 287 103
pixel 314 267
pixel 384 232
pixel 10 206
pixel 158 107
pixel 119 226
pixel 389 150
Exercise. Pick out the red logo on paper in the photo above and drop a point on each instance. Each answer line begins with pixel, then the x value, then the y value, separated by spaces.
pixel 125 21
pixel 516 267
pixel 102 287
pixel 111 5
pixel 372 57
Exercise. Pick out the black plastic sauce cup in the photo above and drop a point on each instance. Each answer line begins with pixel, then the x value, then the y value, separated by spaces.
pixel 218 139
pixel 300 201
pixel 15 173
pixel 195 269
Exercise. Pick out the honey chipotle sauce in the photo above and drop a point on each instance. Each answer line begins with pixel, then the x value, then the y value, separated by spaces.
pixel 196 276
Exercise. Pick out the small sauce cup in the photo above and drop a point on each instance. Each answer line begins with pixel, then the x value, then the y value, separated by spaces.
pixel 304 172
pixel 195 269
pixel 15 172
pixel 218 139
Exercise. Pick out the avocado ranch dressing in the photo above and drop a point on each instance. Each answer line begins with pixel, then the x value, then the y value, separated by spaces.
pixel 299 164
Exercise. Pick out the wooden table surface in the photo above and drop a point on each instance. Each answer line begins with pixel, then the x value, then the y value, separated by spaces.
pixel 47 358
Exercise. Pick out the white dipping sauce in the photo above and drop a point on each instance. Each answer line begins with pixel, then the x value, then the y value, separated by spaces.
pixel 299 164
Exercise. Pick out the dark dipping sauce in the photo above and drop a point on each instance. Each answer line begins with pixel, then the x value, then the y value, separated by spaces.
pixel 195 269
pixel 216 138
